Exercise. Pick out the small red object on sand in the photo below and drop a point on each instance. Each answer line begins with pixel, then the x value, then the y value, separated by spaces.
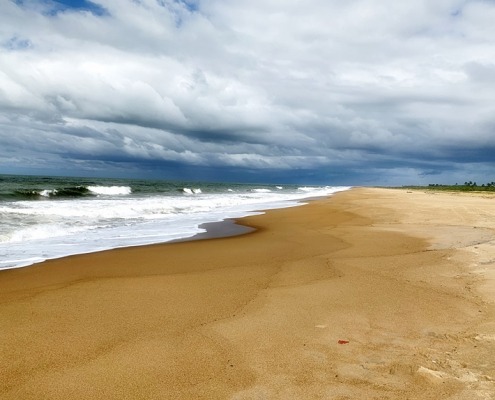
pixel 343 341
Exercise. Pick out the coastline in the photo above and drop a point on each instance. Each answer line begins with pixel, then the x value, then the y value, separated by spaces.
pixel 405 278
pixel 104 217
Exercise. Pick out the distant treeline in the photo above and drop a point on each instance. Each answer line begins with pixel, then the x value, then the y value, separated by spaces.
pixel 465 187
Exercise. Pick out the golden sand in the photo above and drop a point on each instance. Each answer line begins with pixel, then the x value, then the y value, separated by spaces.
pixel 369 294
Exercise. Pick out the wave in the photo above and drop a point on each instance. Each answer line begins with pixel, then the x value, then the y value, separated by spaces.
pixel 48 193
pixel 191 191
pixel 74 191
pixel 306 189
pixel 110 190
pixel 67 192
pixel 261 190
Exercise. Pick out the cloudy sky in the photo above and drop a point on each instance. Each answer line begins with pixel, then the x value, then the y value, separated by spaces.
pixel 353 92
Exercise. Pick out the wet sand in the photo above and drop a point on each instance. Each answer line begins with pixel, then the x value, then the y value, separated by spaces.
pixel 369 294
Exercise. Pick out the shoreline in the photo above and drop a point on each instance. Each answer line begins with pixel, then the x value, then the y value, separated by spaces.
pixel 235 226
pixel 370 293
pixel 216 229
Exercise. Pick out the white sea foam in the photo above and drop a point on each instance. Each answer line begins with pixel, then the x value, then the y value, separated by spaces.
pixel 306 189
pixel 192 191
pixel 45 231
pixel 48 193
pixel 261 190
pixel 110 190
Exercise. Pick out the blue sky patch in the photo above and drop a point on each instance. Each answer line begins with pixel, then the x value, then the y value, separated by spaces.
pixel 191 5
pixel 56 6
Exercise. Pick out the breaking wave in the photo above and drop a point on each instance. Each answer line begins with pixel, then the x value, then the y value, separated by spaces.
pixel 191 191
pixel 68 192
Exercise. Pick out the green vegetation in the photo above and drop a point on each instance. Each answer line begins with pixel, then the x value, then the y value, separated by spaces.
pixel 466 187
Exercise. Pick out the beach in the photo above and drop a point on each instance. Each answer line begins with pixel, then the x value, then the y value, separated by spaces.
pixel 368 294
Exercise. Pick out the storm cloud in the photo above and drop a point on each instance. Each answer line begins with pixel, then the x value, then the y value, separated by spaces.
pixel 355 92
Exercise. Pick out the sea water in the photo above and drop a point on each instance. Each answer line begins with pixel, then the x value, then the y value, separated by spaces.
pixel 49 217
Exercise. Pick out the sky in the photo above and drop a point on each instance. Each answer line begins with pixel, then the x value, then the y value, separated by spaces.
pixel 355 92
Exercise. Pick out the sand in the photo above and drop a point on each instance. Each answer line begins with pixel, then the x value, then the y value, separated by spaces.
pixel 369 294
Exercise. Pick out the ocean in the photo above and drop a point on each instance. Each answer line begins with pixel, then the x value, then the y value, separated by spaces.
pixel 43 218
